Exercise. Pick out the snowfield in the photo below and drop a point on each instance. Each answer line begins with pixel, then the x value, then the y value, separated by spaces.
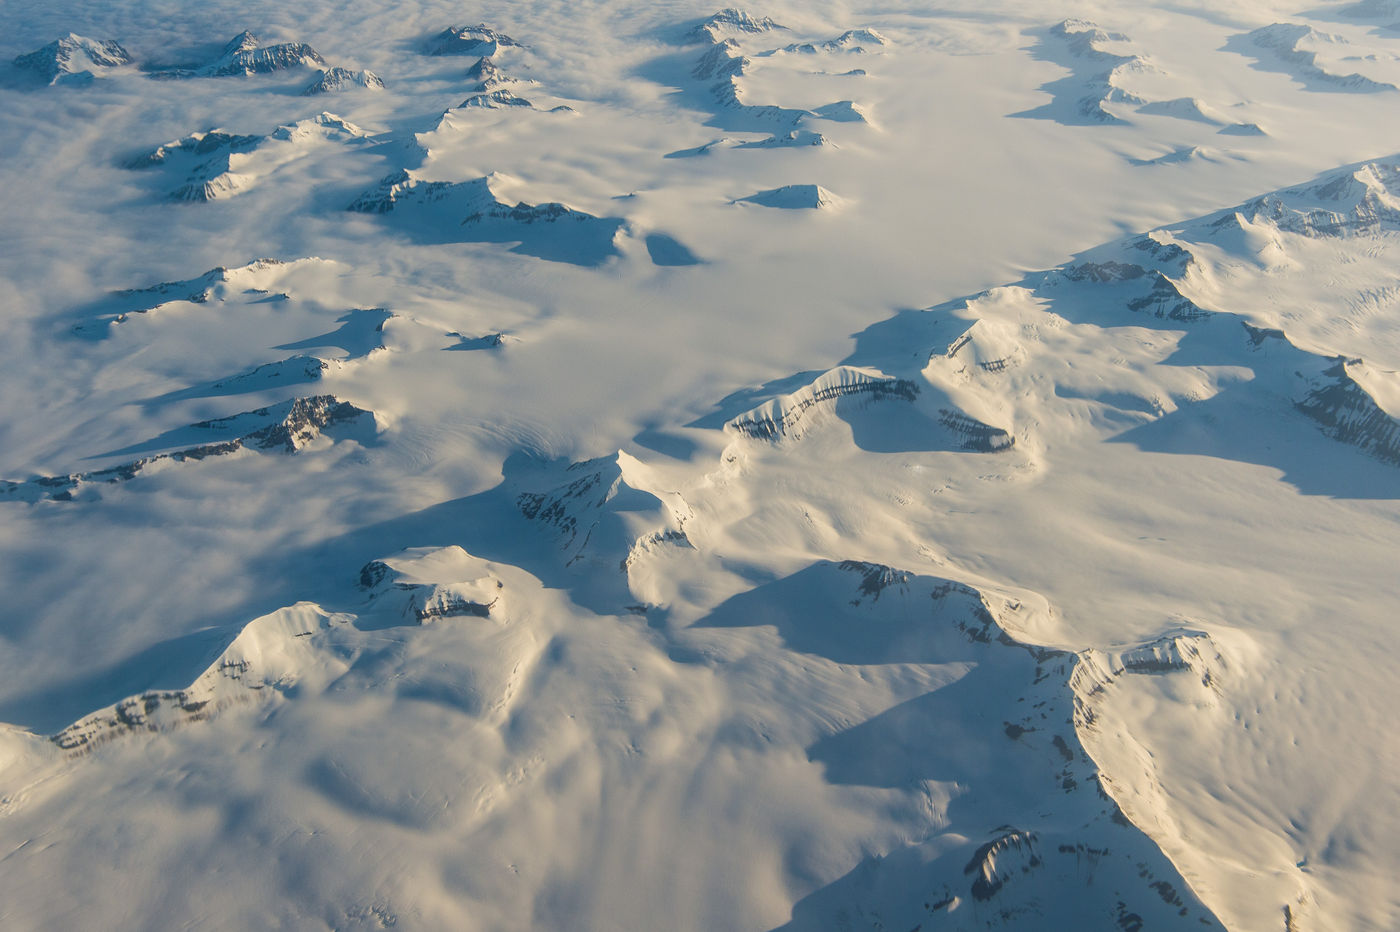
pixel 629 466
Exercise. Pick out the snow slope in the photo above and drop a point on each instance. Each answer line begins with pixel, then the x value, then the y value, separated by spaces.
pixel 587 519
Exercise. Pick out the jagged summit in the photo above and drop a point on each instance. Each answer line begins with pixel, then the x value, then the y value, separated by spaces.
pixel 335 79
pixel 730 21
pixel 1360 201
pixel 480 40
pixel 73 58
pixel 488 75
pixel 245 54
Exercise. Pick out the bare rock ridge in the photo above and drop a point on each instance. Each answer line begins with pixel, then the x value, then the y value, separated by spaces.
pixel 884 412
pixel 782 417
pixel 1347 412
pixel 1157 295
pixel 1360 201
pixel 284 428
pixel 73 58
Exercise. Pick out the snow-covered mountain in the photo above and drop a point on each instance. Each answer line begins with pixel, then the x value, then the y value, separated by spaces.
pixel 789 468
pixel 210 165
pixel 245 54
pixel 73 59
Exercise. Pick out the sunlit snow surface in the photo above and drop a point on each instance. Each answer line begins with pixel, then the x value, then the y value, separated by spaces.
pixel 644 466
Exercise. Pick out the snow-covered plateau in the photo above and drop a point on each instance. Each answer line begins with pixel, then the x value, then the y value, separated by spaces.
pixel 606 465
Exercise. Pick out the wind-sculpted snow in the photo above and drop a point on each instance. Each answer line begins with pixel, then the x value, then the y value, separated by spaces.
pixel 285 428
pixel 1292 49
pixel 1098 74
pixel 270 654
pixel 212 165
pixel 1184 108
pixel 724 65
pixel 73 58
pixel 794 197
pixel 218 284
pixel 997 854
pixel 304 647
pixel 1107 78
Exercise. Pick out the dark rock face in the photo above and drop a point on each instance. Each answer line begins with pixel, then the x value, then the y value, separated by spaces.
pixel 730 19
pixel 72 54
pixel 479 40
pixel 976 436
pixel 335 79
pixel 1346 412
pixel 246 55
pixel 878 390
pixel 1166 300
pixel 496 100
